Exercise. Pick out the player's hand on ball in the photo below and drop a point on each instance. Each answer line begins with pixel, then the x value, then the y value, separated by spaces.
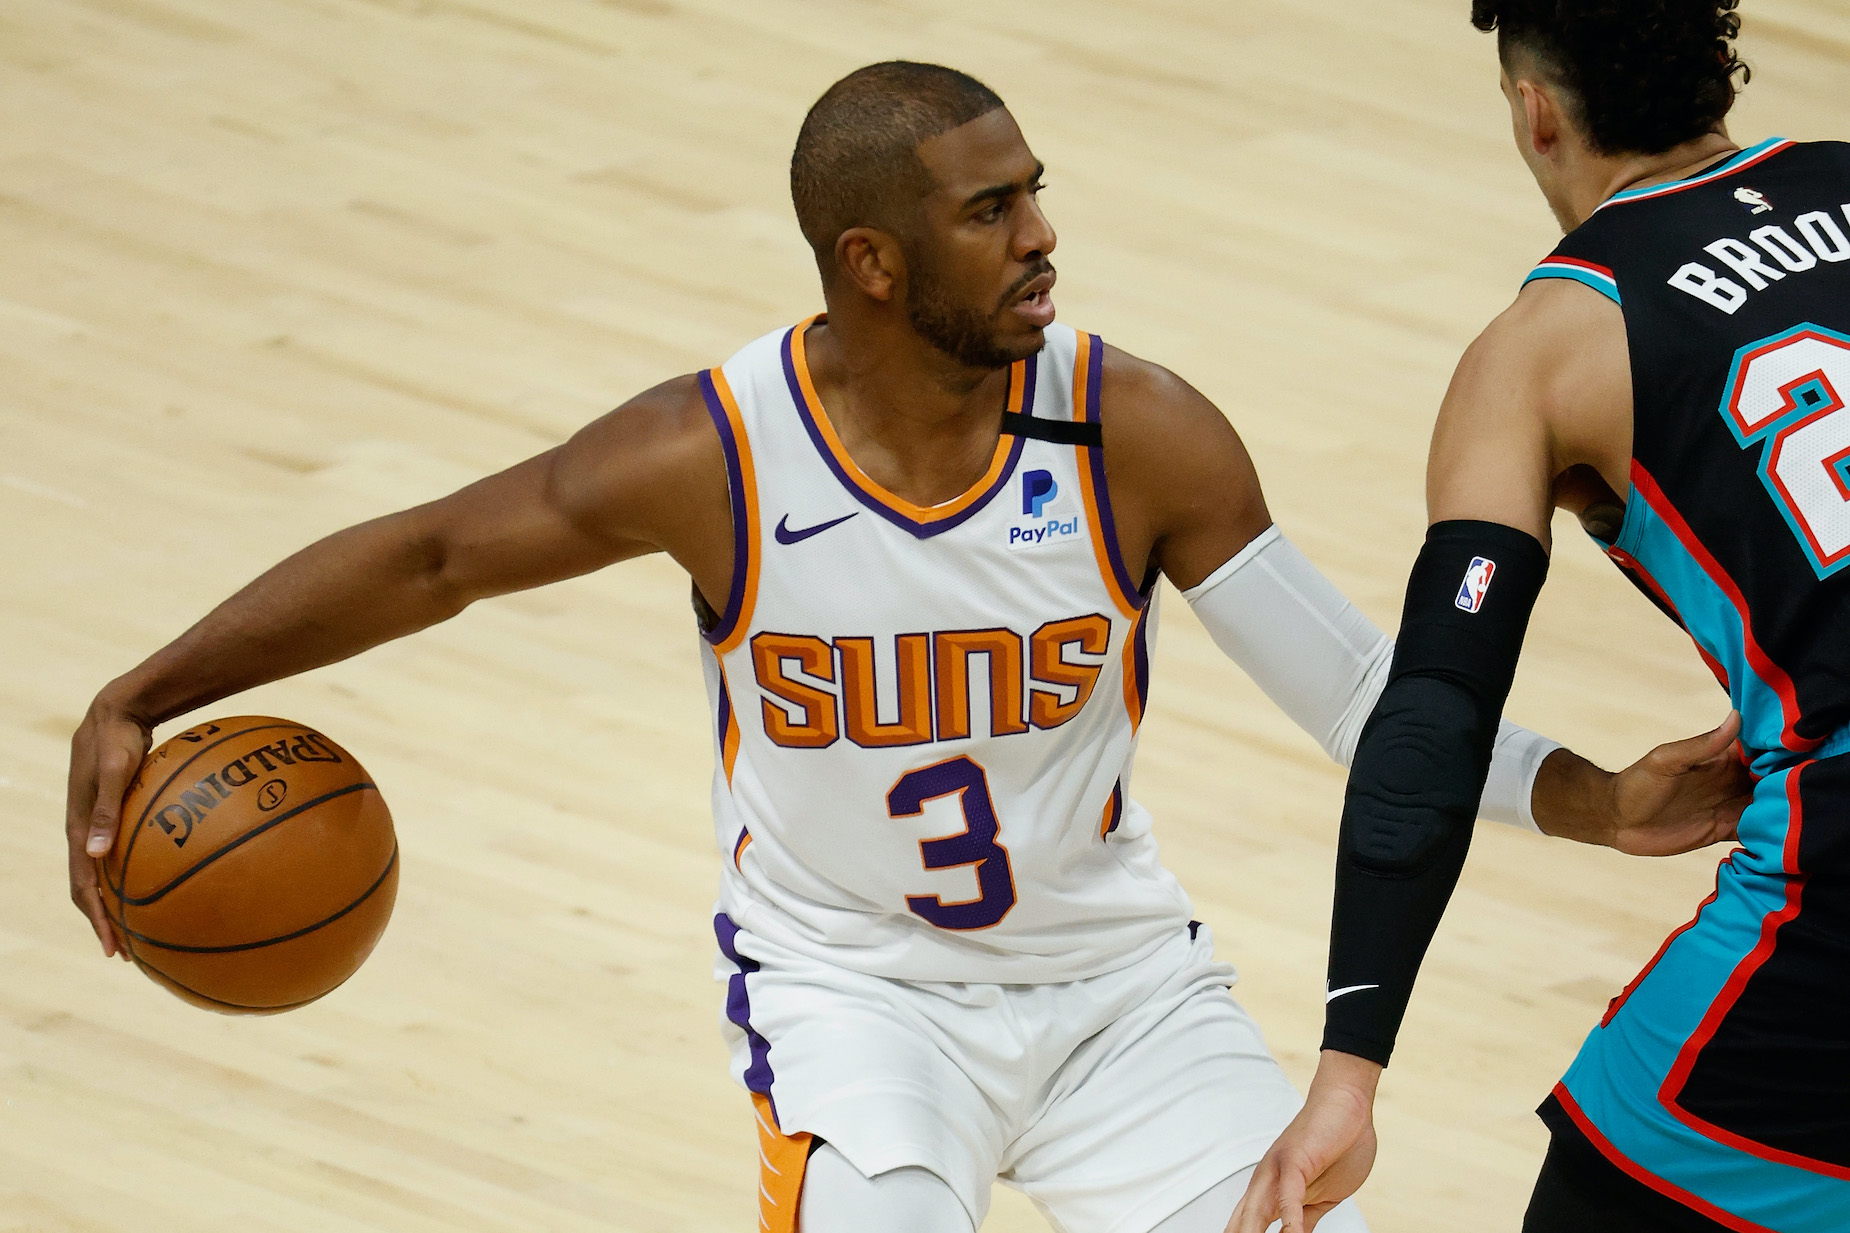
pixel 1323 1157
pixel 1682 796
pixel 105 752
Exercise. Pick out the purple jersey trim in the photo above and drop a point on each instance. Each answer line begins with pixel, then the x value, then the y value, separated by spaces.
pixel 919 530
pixel 1108 527
pixel 735 485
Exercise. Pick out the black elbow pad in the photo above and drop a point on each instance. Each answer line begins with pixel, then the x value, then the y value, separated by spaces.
pixel 1413 785
pixel 1419 771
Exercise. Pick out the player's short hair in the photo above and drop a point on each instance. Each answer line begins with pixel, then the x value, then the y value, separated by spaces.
pixel 1643 75
pixel 856 162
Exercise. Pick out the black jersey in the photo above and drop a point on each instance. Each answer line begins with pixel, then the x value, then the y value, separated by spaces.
pixel 1735 286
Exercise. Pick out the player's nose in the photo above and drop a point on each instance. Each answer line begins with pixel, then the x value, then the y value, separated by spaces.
pixel 1035 237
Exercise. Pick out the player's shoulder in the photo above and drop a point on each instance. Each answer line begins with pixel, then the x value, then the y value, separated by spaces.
pixel 680 412
pixel 1558 352
pixel 1145 404
pixel 1552 324
pixel 1165 441
pixel 659 443
pixel 672 412
pixel 764 351
pixel 1545 309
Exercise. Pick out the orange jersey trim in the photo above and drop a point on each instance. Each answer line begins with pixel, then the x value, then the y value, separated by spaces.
pixel 1136 665
pixel 728 725
pixel 1086 369
pixel 782 1160
pixel 999 463
pixel 740 476
pixel 1113 812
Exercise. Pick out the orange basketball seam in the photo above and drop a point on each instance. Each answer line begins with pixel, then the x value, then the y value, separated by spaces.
pixel 287 937
pixel 142 901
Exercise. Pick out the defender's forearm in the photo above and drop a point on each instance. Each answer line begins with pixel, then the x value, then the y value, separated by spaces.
pixel 1573 799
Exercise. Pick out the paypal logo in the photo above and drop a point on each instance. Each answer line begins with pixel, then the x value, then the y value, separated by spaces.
pixel 1037 489
pixel 1043 532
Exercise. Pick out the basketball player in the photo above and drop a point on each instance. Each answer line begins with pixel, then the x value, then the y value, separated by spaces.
pixel 924 532
pixel 1675 374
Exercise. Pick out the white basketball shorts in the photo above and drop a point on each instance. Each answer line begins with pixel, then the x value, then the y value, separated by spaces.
pixel 1111 1102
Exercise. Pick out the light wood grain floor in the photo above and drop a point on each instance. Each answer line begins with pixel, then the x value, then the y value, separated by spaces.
pixel 273 266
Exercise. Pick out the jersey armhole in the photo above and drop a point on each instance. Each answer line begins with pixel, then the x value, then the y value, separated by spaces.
pixel 1586 273
pixel 742 485
pixel 1088 376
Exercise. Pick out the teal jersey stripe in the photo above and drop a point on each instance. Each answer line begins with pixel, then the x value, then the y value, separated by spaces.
pixel 1745 156
pixel 1605 286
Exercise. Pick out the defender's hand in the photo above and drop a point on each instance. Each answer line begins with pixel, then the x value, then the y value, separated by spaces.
pixel 1677 798
pixel 1682 796
pixel 105 752
pixel 1324 1155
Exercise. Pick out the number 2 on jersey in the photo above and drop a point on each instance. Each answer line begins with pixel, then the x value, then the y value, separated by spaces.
pixel 1787 392
pixel 974 845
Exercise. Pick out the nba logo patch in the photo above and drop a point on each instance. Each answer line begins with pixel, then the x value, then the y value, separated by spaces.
pixel 1476 584
pixel 1754 199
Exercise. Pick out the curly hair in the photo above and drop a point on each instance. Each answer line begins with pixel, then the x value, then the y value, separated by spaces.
pixel 1644 75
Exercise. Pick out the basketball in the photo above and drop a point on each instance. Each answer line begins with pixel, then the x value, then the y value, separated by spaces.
pixel 255 866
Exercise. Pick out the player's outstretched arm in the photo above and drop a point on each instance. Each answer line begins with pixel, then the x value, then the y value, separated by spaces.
pixel 648 477
pixel 1189 495
pixel 1546 387
pixel 1324 1155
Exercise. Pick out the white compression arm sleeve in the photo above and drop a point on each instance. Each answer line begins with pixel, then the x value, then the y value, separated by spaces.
pixel 1325 664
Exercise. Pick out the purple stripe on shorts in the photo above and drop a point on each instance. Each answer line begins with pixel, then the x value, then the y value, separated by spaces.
pixel 739 1007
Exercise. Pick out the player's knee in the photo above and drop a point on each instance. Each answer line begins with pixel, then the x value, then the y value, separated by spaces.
pixel 838 1198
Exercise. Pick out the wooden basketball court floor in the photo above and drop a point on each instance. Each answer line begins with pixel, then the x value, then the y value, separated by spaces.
pixel 271 267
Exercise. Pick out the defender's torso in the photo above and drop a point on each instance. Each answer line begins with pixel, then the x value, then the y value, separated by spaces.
pixel 1735 285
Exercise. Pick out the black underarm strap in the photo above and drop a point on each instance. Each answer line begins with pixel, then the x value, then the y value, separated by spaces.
pixel 1060 432
pixel 1419 771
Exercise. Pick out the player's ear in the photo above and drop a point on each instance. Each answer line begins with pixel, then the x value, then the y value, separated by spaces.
pixel 872 261
pixel 1541 115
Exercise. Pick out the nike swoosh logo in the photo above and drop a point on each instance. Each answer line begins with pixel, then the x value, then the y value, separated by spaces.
pixel 786 536
pixel 1333 994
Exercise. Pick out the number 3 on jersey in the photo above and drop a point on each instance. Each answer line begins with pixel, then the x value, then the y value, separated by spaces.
pixel 974 845
pixel 1788 392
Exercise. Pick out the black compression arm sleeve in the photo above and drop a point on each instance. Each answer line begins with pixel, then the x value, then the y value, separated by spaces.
pixel 1419 771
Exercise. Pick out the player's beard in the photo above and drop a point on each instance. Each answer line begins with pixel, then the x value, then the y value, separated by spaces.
pixel 964 333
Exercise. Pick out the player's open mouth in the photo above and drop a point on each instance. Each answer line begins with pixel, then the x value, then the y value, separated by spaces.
pixel 1036 302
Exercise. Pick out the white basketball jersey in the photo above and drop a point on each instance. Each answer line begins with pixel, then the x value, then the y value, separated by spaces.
pixel 926 716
